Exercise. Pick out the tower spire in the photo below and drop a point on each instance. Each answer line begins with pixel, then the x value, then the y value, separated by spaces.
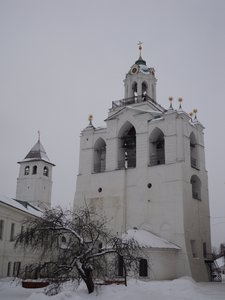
pixel 90 118
pixel 140 60
pixel 39 135
pixel 140 49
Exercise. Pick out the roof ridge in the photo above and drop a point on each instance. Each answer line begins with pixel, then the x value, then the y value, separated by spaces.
pixel 37 152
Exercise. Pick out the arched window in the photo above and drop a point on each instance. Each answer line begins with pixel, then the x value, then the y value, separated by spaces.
pixel 127 147
pixel 196 187
pixel 157 147
pixel 193 151
pixel 27 272
pixel 27 170
pixel 9 269
pixel 99 156
pixel 45 171
pixel 144 90
pixel 143 267
pixel 34 171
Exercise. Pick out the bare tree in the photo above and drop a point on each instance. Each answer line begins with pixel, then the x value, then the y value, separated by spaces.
pixel 75 245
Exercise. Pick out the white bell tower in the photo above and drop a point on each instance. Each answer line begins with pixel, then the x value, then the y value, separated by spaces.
pixel 34 183
pixel 145 171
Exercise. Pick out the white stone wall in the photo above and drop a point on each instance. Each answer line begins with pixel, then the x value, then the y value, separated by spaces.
pixel 161 263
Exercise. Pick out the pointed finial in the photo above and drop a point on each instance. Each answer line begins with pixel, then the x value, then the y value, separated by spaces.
pixel 171 100
pixel 140 48
pixel 191 115
pixel 195 112
pixel 39 136
pixel 90 118
pixel 180 101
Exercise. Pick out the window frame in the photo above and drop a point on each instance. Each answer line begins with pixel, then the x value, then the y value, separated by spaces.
pixel 16 268
pixel 143 267
pixel 9 269
pixel 12 232
pixel 34 170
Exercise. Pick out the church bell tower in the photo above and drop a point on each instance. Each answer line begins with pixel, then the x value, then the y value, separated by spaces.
pixel 145 172
pixel 34 184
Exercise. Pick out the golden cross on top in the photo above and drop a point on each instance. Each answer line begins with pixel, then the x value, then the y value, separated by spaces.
pixel 90 118
pixel 140 46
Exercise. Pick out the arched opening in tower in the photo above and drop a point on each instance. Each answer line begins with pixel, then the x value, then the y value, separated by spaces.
pixel 99 156
pixel 134 90
pixel 27 170
pixel 196 187
pixel 34 171
pixel 127 148
pixel 193 151
pixel 45 171
pixel 157 148
pixel 144 89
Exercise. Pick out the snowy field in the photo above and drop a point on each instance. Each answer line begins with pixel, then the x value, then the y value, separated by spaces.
pixel 183 289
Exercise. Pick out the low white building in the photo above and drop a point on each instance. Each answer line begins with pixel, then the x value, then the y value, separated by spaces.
pixel 146 171
pixel 13 213
pixel 33 194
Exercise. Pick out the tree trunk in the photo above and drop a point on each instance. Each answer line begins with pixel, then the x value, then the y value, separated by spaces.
pixel 88 280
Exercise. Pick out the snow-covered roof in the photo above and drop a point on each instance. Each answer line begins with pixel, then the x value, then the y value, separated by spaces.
pixel 37 153
pixel 21 205
pixel 153 108
pixel 144 69
pixel 147 239
pixel 220 261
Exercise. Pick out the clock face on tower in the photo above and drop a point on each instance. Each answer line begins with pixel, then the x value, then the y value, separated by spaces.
pixel 134 69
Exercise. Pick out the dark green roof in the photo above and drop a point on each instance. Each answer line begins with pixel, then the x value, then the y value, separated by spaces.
pixel 140 61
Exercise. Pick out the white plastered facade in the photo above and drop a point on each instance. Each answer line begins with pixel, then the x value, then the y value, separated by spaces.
pixel 155 197
pixel 12 213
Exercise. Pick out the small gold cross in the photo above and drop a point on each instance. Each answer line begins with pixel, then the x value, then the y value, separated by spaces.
pixel 90 118
pixel 140 46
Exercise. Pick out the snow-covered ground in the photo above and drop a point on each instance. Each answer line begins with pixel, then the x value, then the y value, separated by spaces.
pixel 183 289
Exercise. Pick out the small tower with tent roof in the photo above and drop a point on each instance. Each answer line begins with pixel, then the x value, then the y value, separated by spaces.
pixel 34 183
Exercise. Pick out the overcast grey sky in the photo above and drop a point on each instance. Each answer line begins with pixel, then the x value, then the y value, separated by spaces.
pixel 62 60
